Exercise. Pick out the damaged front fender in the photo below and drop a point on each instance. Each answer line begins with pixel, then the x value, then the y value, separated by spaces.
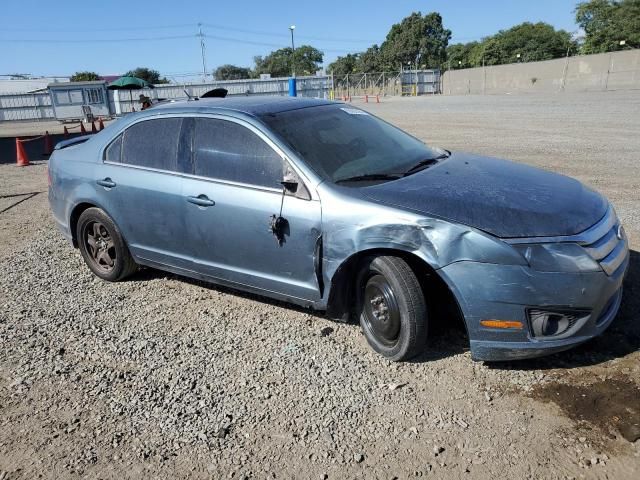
pixel 352 227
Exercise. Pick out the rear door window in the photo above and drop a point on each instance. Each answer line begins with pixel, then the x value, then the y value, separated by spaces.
pixel 152 144
pixel 226 150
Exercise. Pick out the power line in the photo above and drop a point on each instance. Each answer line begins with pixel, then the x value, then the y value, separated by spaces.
pixel 94 40
pixel 159 38
pixel 110 29
pixel 281 35
pixel 264 44
pixel 190 25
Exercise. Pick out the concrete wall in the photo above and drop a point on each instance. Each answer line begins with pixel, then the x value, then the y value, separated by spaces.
pixel 605 71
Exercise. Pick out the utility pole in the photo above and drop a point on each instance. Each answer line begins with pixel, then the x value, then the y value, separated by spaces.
pixel 202 49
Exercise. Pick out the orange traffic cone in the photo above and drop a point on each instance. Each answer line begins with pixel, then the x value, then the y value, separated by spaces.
pixel 21 156
pixel 100 125
pixel 66 132
pixel 48 145
pixel 82 129
pixel 93 127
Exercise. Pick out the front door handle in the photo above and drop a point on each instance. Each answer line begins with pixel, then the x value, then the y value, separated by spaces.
pixel 106 182
pixel 201 200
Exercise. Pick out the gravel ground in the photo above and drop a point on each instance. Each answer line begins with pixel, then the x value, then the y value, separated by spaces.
pixel 163 377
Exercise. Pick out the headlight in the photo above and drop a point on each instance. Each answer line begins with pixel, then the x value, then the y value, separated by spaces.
pixel 558 257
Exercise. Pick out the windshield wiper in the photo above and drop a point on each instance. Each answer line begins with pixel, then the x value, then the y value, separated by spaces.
pixel 370 176
pixel 426 163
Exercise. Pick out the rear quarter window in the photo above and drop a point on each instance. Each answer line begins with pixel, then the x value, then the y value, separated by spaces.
pixel 152 143
pixel 114 150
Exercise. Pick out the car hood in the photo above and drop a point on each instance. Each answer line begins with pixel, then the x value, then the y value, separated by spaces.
pixel 503 198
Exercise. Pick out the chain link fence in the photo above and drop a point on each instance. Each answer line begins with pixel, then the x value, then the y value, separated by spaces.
pixel 386 83
pixel 25 106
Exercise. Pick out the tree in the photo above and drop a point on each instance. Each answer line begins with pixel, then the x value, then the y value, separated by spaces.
pixel 370 60
pixel 463 55
pixel 417 38
pixel 607 22
pixel 151 76
pixel 278 63
pixel 344 65
pixel 531 41
pixel 231 72
pixel 365 62
pixel 84 76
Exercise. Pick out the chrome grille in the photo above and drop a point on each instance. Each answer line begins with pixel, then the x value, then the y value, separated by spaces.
pixel 606 243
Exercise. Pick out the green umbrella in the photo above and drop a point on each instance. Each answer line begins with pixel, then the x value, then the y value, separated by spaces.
pixel 129 83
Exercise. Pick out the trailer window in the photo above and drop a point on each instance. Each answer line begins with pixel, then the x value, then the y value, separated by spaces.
pixel 68 97
pixel 94 95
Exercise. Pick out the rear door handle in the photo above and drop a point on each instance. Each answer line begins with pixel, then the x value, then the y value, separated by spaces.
pixel 106 182
pixel 201 200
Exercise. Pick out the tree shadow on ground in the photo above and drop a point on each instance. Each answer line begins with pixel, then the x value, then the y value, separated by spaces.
pixel 448 336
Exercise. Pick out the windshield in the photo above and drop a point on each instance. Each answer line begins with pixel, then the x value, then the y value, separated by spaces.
pixel 340 142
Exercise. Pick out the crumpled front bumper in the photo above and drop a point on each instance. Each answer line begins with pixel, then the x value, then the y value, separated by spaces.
pixel 489 291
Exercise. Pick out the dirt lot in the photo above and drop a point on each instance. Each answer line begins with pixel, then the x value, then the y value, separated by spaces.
pixel 163 377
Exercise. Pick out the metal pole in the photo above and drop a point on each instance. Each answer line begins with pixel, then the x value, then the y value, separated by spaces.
pixel 564 70
pixel 202 48
pixel 484 78
pixel 293 53
pixel 333 87
pixel 606 80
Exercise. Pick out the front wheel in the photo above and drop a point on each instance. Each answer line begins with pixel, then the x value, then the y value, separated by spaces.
pixel 391 307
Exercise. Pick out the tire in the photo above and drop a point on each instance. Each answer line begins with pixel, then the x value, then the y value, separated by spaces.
pixel 391 308
pixel 102 246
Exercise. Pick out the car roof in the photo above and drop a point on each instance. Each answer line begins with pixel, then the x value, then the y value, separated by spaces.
pixel 252 105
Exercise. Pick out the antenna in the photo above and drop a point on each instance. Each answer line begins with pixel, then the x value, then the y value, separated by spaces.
pixel 202 49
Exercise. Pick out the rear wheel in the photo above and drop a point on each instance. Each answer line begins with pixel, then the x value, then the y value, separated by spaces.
pixel 102 246
pixel 391 307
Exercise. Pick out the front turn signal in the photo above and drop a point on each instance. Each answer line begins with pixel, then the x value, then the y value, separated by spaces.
pixel 504 324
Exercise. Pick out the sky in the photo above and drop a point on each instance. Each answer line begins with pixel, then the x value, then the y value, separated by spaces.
pixel 48 38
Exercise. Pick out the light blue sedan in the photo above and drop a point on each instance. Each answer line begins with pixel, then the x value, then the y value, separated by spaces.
pixel 326 206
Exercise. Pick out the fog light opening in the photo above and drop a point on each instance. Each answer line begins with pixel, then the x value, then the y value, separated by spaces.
pixel 546 323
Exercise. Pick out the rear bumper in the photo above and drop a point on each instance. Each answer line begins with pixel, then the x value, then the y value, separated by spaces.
pixel 489 291
pixel 58 210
